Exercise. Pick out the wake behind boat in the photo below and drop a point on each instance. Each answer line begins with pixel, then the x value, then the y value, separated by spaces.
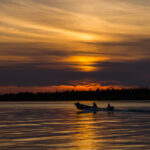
pixel 94 108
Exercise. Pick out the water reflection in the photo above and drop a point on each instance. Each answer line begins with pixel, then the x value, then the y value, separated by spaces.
pixel 84 125
pixel 58 126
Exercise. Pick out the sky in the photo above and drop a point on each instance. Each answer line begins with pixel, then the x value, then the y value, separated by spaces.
pixel 49 45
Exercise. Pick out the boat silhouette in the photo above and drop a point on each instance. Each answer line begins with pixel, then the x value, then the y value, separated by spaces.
pixel 84 107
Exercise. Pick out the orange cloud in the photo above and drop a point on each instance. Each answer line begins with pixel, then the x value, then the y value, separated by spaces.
pixel 35 89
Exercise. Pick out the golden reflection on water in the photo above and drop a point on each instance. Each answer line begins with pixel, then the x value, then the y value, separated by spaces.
pixel 85 139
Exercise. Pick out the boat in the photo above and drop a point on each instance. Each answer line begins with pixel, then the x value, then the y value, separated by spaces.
pixel 94 108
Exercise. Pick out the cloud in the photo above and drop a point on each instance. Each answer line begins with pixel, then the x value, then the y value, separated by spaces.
pixel 51 43
pixel 135 48
pixel 131 73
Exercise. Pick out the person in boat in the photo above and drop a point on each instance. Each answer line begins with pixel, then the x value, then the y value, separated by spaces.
pixel 78 103
pixel 94 105
pixel 110 108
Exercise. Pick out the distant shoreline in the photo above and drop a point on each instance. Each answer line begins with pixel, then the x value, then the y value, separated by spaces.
pixel 99 94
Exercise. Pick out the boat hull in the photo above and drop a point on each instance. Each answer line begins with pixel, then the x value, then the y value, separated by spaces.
pixel 90 108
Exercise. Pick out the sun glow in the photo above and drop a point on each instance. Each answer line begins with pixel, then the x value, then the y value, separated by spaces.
pixel 87 68
pixel 86 63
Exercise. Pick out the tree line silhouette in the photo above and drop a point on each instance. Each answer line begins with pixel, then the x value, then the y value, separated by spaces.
pixel 99 94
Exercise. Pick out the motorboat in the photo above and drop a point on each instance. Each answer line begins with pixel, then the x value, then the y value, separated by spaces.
pixel 84 107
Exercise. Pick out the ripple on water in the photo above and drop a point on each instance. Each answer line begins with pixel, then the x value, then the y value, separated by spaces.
pixel 61 128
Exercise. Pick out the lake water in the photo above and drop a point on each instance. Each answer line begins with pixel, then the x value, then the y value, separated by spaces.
pixel 58 125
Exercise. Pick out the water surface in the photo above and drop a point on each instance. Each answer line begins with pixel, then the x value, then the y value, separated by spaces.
pixel 58 125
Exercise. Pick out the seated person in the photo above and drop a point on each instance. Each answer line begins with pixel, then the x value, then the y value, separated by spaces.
pixel 110 108
pixel 94 105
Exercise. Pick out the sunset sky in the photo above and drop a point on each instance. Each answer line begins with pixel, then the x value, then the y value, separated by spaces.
pixel 48 45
